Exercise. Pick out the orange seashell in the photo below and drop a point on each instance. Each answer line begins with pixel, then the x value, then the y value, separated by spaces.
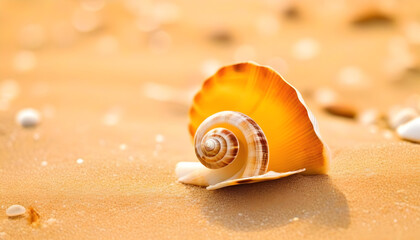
pixel 269 120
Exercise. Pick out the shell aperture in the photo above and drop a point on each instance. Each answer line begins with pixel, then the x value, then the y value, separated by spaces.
pixel 250 125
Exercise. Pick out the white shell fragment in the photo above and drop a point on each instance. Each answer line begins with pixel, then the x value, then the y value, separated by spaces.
pixel 410 131
pixel 28 117
pixel 15 210
pixel 401 116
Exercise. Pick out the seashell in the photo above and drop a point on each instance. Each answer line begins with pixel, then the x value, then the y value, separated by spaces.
pixel 250 125
pixel 15 210
pixel 410 131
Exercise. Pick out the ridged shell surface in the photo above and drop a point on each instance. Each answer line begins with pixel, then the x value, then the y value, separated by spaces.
pixel 278 108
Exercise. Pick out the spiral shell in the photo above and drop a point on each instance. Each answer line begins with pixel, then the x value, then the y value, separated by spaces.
pixel 250 125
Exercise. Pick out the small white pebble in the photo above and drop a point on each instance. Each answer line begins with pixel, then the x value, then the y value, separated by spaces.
pixel 28 117
pixel 159 138
pixel 410 130
pixel 123 147
pixel 305 49
pixel 44 163
pixel 15 210
pixel 294 219
pixel 79 161
pixel 240 214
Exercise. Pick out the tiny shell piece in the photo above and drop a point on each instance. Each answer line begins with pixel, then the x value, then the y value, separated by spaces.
pixel 15 210
pixel 410 131
pixel 28 117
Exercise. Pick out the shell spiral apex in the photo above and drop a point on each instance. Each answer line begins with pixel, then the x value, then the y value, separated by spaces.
pixel 250 125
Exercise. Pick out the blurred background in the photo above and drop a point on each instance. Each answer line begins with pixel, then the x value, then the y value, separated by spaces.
pixel 164 50
pixel 112 82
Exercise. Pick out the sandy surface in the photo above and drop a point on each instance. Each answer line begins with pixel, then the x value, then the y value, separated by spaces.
pixel 94 106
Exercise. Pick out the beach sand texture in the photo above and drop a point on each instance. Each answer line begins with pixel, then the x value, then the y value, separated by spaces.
pixel 121 105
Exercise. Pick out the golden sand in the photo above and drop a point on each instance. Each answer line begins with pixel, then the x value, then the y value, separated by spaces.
pixel 93 104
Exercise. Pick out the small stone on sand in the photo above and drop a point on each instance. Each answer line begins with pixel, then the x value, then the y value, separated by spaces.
pixel 28 117
pixel 44 163
pixel 410 130
pixel 15 210
pixel 79 161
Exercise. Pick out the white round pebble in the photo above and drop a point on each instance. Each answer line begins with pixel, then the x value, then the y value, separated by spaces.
pixel 28 117
pixel 15 210
pixel 401 116
pixel 44 163
pixel 79 161
pixel 410 130
pixel 123 147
